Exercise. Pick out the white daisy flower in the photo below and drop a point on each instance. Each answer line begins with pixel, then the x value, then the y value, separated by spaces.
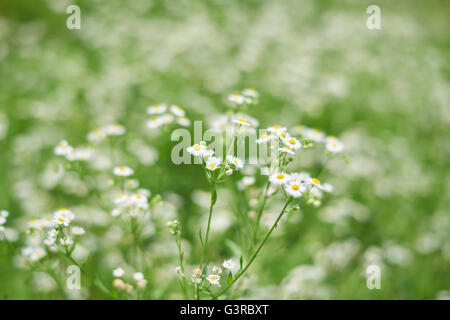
pixel 294 189
pixel 138 199
pixel 115 212
pixel 276 129
pixel 236 98
pixel 121 199
pixel 53 233
pixel 138 276
pixel 115 130
pixel 97 135
pixel 123 171
pixel 236 162
pixel 118 272
pixel 242 122
pixel 228 264
pixel 278 178
pixel 303 178
pixel 167 118
pixel 252 93
pixel 264 138
pixel 50 241
pixel 197 150
pixel 80 154
pixel 78 231
pixel 157 109
pixel 314 134
pixel 287 150
pixel 154 122
pixel 213 163
pixel 177 111
pixel 333 145
pixel 292 143
pixel 214 279
pixel 316 183
pixel 34 254
pixel 183 121
pixel 63 148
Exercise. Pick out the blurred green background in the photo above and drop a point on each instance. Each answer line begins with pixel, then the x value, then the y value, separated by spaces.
pixel 385 93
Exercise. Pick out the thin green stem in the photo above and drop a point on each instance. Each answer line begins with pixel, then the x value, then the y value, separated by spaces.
pixel 239 274
pixel 259 213
pixel 205 241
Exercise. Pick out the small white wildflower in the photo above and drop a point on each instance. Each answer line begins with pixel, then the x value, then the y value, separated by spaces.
pixel 63 217
pixel 236 98
pixel 154 122
pixel 278 178
pixel 264 138
pixel 252 93
pixel 276 129
pixel 183 121
pixel 157 109
pixel 177 111
pixel 228 264
pixel 214 279
pixel 63 148
pixel 245 182
pixel 66 241
pixel 213 163
pixel 118 272
pixel 287 150
pixel 97 135
pixel 78 231
pixel 294 189
pixel 236 162
pixel 333 145
pixel 197 150
pixel 196 279
pixel 292 143
pixel 115 130
pixel 138 276
pixel 123 171
pixel 242 122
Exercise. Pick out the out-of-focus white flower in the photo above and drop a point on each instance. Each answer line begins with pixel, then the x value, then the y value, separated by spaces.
pixel 97 135
pixel 66 241
pixel 214 279
pixel 63 148
pixel 33 253
pixel 40 223
pixel 316 183
pixel 177 111
pixel 78 231
pixel 121 199
pixel 3 215
pixel 252 93
pixel 138 276
pixel 118 272
pixel 245 182
pixel 264 138
pixel 195 279
pixel 183 121
pixel 279 178
pixel 236 98
pixel 167 118
pixel 333 145
pixel 228 264
pixel 80 154
pixel 155 122
pixel 213 163
pixel 236 162
pixel 287 150
pixel 138 199
pixel 314 134
pixel 242 122
pixel 276 129
pixel 157 109
pixel 115 129
pixel 123 171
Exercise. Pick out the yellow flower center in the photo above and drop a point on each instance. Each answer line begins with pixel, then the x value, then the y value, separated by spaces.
pixel 122 169
pixel 276 127
pixel 282 135
pixel 295 187
pixel 212 165
pixel 242 120
pixel 264 136
pixel 280 176
pixel 61 219
pixel 138 196
pixel 316 181
pixel 62 209
pixel 292 141
pixel 197 147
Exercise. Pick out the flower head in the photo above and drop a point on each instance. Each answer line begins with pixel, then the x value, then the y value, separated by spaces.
pixel 123 171
pixel 213 163
pixel 228 264
pixel 278 178
pixel 214 279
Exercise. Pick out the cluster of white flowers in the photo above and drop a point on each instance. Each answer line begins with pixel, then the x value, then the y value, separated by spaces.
pixel 296 184
pixel 71 153
pixel 247 96
pixel 332 144
pixel 161 114
pixel 100 134
pixel 120 284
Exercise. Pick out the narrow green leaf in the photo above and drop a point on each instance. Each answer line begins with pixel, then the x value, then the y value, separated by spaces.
pixel 230 278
